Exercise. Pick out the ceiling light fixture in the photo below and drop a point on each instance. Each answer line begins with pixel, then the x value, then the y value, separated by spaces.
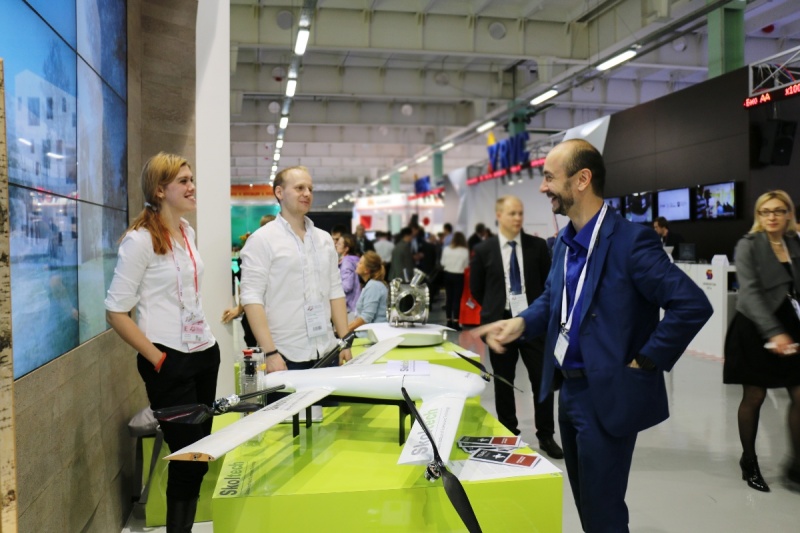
pixel 445 147
pixel 403 168
pixel 279 144
pixel 276 157
pixel 544 97
pixel 616 60
pixel 291 87
pixel 302 41
pixel 486 126
pixel 422 159
pixel 284 122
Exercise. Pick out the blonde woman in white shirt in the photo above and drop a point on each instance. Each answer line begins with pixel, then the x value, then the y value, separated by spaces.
pixel 158 274
pixel 455 259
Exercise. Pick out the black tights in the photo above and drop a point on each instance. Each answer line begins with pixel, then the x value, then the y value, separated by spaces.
pixel 749 410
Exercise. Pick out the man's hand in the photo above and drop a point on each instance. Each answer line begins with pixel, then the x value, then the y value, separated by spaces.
pixel 497 334
pixel 275 363
pixel 344 356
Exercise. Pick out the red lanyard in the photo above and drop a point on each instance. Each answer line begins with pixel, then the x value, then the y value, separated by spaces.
pixel 194 263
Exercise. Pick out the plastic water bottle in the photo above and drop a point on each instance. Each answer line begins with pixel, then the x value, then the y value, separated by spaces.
pixel 249 378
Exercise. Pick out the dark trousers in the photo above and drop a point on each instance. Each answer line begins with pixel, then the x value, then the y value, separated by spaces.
pixel 598 464
pixel 185 378
pixel 453 287
pixel 505 365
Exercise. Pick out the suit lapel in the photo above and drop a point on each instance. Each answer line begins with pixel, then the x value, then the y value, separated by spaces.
pixel 597 261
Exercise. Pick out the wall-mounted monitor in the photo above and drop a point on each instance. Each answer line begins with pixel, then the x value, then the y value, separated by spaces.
pixel 615 202
pixel 715 201
pixel 674 204
pixel 639 207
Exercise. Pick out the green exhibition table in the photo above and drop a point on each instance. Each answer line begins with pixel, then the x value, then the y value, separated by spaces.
pixel 342 475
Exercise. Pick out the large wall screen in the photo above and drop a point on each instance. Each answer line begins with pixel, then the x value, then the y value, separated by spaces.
pixel 66 113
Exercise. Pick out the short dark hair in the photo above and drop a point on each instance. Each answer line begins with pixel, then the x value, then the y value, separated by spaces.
pixel 405 232
pixel 585 155
pixel 662 222
pixel 448 227
pixel 480 227
pixel 341 229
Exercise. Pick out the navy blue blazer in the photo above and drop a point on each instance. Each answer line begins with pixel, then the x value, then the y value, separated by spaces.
pixel 629 279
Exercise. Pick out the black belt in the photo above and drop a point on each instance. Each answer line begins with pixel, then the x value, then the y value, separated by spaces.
pixel 573 373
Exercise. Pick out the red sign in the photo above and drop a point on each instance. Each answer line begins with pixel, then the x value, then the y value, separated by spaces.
pixel 777 94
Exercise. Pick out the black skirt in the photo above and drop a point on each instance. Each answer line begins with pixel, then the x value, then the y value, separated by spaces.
pixel 747 362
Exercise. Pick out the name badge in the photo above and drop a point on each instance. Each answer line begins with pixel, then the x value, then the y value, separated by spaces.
pixel 193 329
pixel 561 346
pixel 316 324
pixel 518 303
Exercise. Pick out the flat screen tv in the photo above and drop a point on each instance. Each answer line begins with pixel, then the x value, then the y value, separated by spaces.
pixel 639 207
pixel 673 204
pixel 715 201
pixel 615 202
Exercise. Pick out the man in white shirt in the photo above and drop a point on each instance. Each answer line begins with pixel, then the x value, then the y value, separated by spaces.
pixel 291 288
pixel 384 247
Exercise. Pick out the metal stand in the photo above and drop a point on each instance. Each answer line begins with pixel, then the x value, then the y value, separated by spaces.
pixel 402 413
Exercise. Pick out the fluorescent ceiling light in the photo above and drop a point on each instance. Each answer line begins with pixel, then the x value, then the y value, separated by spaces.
pixel 422 159
pixel 26 142
pixel 487 126
pixel 403 168
pixel 274 168
pixel 385 178
pixel 52 155
pixel 277 156
pixel 544 97
pixel 284 122
pixel 374 183
pixel 291 86
pixel 302 41
pixel 445 147
pixel 616 60
pixel 279 144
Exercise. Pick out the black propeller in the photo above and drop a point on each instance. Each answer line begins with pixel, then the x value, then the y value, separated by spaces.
pixel 342 344
pixel 485 373
pixel 436 469
pixel 198 413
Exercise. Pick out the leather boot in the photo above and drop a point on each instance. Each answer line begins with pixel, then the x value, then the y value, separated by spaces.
pixel 752 474
pixel 180 515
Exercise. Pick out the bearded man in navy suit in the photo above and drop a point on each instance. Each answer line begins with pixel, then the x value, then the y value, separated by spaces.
pixel 605 344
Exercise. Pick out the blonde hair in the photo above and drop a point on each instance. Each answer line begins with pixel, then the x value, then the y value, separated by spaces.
pixel 374 265
pixel 791 227
pixel 281 177
pixel 158 172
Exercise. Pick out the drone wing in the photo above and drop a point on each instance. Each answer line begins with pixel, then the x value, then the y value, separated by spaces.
pixel 442 415
pixel 218 444
pixel 376 351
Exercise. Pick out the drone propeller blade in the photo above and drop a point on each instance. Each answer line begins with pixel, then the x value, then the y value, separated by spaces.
pixel 343 344
pixel 184 414
pixel 245 407
pixel 452 486
pixel 458 497
pixel 483 369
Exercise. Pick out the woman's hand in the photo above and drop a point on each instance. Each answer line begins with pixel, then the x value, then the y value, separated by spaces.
pixel 782 345
pixel 230 314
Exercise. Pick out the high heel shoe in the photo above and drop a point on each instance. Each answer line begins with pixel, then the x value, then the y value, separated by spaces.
pixel 752 474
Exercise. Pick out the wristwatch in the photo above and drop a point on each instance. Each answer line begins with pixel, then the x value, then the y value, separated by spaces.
pixel 644 362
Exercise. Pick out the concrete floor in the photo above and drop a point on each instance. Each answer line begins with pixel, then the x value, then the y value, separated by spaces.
pixel 685 475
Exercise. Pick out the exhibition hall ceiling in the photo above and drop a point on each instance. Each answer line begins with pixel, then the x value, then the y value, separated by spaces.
pixel 382 82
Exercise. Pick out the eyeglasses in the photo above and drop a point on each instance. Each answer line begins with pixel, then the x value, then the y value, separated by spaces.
pixel 777 212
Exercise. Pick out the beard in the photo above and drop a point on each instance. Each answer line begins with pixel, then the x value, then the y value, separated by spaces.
pixel 563 203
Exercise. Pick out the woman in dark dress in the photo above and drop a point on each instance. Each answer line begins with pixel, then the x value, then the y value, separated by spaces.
pixel 761 349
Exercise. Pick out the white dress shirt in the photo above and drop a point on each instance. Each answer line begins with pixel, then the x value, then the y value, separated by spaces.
pixel 149 282
pixel 283 273
pixel 505 251
pixel 455 260
pixel 383 248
